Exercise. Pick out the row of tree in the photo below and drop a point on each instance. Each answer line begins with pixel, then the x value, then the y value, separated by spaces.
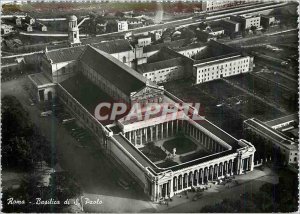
pixel 23 148
pixel 22 144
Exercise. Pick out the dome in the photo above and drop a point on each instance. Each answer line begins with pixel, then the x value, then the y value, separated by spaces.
pixel 72 18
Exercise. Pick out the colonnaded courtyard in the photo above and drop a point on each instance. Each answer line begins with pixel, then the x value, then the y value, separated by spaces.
pixel 173 151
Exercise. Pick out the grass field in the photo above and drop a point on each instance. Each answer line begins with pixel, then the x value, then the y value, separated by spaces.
pixel 267 90
pixel 198 154
pixel 182 145
pixel 154 153
pixel 167 163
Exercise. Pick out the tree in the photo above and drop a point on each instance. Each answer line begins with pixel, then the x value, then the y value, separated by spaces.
pixel 22 144
pixel 202 26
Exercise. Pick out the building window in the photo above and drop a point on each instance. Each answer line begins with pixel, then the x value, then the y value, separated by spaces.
pixel 124 59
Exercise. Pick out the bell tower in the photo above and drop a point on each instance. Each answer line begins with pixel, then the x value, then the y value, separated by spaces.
pixel 73 31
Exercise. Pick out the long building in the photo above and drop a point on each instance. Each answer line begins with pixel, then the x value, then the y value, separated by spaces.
pixel 288 146
pixel 217 154
pixel 201 63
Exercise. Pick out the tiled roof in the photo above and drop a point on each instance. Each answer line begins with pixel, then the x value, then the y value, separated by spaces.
pixel 191 46
pixel 144 68
pixel 114 46
pixel 72 53
pixel 64 54
pixel 120 75
pixel 173 44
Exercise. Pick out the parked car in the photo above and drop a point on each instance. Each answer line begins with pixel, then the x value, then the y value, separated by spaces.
pixel 46 113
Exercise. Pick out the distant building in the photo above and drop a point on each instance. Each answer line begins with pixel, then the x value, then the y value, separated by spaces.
pixel 282 143
pixel 27 27
pixel 133 21
pixel 11 65
pixel 230 26
pixel 122 26
pixel 101 27
pixel 216 31
pixel 135 25
pixel 209 5
pixel 217 61
pixel 266 21
pixel 17 21
pixel 41 26
pixel 247 21
pixel 191 50
pixel 29 20
pixel 143 41
pixel 6 29
pixel 166 65
pixel 205 36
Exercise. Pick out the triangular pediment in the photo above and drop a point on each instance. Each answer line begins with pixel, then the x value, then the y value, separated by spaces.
pixel 148 91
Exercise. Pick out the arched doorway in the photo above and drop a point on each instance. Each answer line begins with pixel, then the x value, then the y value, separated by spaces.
pixel 50 96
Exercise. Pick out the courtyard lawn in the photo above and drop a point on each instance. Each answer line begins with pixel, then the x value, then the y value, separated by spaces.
pixel 193 156
pixel 167 163
pixel 182 145
pixel 154 153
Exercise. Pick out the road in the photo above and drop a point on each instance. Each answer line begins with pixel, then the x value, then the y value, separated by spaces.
pixel 250 183
pixel 49 34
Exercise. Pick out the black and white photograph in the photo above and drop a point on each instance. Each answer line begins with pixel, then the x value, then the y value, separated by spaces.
pixel 149 106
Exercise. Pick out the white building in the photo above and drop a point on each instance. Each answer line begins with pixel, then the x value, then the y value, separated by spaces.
pixel 122 26
pixel 218 61
pixel 143 41
pixel 209 5
pixel 247 21
pixel 284 144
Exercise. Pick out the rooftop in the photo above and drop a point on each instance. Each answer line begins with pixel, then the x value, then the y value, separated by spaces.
pixel 285 119
pixel 86 93
pixel 111 47
pixel 190 46
pixel 230 21
pixel 173 44
pixel 215 50
pixel 271 133
pixel 148 67
pixel 64 54
pixel 72 53
pixel 39 79
pixel 120 75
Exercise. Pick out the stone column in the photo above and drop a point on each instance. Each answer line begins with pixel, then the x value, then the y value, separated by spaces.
pixel 141 136
pixel 221 172
pixel 167 126
pixel 251 165
pixel 129 136
pixel 172 128
pixel 162 131
pixel 171 193
pixel 177 126
pixel 135 140
pixel 146 134
pixel 156 132
pixel 151 133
